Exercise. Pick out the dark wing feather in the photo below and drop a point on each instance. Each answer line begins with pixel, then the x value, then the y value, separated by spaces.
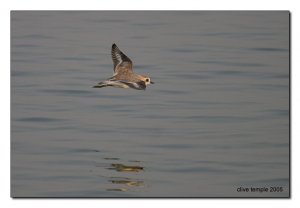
pixel 120 60
pixel 141 85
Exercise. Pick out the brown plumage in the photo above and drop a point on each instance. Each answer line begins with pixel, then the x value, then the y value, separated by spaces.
pixel 123 76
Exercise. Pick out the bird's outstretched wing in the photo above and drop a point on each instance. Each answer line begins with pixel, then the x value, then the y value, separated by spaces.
pixel 122 64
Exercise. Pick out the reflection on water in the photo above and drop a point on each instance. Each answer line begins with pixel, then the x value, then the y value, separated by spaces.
pixel 117 189
pixel 126 168
pixel 125 183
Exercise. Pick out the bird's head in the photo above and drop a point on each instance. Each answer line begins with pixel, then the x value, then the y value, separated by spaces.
pixel 146 79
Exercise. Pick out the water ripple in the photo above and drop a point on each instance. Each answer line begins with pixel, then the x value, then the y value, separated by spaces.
pixel 269 49
pixel 64 92
pixel 228 63
pixel 34 37
pixel 39 119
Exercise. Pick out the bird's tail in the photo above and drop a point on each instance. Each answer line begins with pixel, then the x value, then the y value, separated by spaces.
pixel 101 84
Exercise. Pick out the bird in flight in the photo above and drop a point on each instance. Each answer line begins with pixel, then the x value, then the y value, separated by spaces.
pixel 124 76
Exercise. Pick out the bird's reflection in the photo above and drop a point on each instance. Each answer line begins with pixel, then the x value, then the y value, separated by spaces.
pixel 125 183
pixel 126 168
pixel 128 182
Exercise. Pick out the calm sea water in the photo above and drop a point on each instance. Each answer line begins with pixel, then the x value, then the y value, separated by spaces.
pixel 216 119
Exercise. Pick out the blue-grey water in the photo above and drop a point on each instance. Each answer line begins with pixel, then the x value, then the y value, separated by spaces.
pixel 216 119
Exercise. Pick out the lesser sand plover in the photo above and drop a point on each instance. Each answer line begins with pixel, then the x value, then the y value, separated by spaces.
pixel 123 76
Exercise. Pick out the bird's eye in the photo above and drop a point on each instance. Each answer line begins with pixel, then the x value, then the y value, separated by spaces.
pixel 147 80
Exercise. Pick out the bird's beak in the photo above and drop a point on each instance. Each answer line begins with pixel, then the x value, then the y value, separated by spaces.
pixel 151 82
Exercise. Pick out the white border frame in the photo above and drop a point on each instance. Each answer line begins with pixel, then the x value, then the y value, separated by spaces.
pixel 291 5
